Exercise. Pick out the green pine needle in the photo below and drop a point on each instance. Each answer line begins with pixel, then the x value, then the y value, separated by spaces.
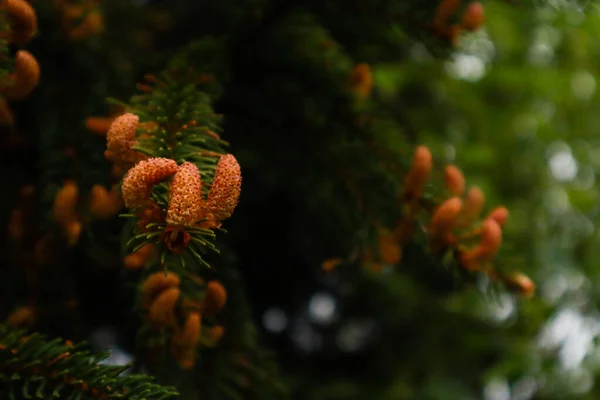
pixel 36 366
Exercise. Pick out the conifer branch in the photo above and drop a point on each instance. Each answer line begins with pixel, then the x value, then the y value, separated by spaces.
pixel 37 367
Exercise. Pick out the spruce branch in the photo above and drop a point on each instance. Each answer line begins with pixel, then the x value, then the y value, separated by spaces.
pixel 179 184
pixel 37 367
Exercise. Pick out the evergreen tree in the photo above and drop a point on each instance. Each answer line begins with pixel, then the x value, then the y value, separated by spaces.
pixel 270 199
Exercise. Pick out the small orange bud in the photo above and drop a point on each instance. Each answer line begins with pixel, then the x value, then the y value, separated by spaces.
pixel 104 204
pixel 162 310
pixel 520 283
pixel 419 173
pixel 489 244
pixel 73 232
pixel 157 283
pixel 499 214
pixel 443 12
pixel 139 259
pixel 190 335
pixel 185 196
pixel 73 11
pixel 215 333
pixel 142 87
pixel 186 357
pixel 65 203
pixel 473 17
pixel 491 237
pixel 389 250
pixel 120 137
pixel 21 317
pixel 224 193
pixel 24 78
pixel 216 297
pixel 133 261
pixel 331 263
pixel 444 217
pixel 92 24
pixel 360 80
pixel 23 21
pixel 455 181
pixel 474 202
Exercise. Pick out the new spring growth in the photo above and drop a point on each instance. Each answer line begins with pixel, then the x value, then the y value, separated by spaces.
pixel 444 11
pixel 390 251
pixel 120 139
pixel 64 211
pixel 155 284
pixel 21 317
pixel 417 176
pixel 184 342
pixel 22 21
pixel 80 21
pixel 216 297
pixel 104 203
pixel 92 25
pixel 455 180
pixel 360 81
pixel 224 193
pixel 499 214
pixel 159 294
pixel 490 240
pixel 215 333
pixel 185 196
pixel 139 258
pixel 24 78
pixel 520 283
pixel 331 263
pixel 186 205
pixel 138 183
pixel 190 335
pixel 443 221
pixel 162 310
pixel 473 203
pixel 472 19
